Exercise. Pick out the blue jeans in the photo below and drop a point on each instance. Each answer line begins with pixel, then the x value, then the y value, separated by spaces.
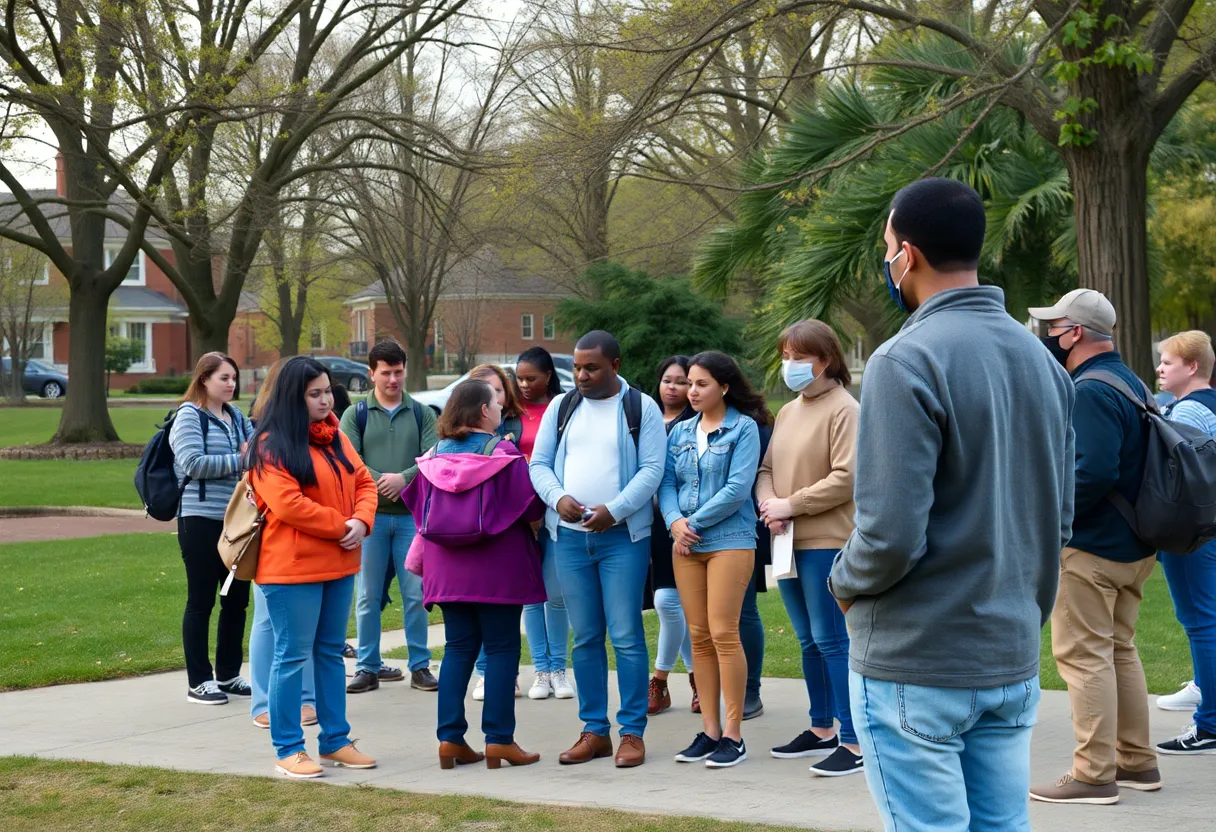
pixel 546 625
pixel 308 620
pixel 1192 582
pixel 261 657
pixel 391 537
pixel 947 759
pixel 469 628
pixel 602 578
pixel 820 627
pixel 751 633
pixel 673 631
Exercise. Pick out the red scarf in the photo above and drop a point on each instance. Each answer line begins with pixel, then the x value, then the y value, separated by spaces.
pixel 323 433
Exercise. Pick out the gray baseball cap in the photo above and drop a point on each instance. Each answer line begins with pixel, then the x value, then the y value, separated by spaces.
pixel 1087 307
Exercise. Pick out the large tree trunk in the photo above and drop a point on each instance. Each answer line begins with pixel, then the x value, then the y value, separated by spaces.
pixel 1110 192
pixel 415 366
pixel 85 415
pixel 209 332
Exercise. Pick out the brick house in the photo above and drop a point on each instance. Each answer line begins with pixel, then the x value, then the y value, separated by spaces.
pixel 487 311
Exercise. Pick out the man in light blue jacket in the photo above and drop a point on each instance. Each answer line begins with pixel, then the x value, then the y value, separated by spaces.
pixel 597 464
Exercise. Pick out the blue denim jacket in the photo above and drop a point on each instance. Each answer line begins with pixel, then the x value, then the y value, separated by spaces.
pixel 714 491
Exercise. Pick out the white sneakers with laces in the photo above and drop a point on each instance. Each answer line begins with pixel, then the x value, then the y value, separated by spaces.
pixel 1187 698
pixel 541 688
pixel 562 689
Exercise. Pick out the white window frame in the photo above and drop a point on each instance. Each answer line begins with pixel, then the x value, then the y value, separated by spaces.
pixel 527 326
pixel 319 329
pixel 140 263
pixel 548 326
pixel 438 335
pixel 360 326
pixel 45 280
pixel 148 365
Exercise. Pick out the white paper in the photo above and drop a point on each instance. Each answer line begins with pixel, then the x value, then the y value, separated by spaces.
pixel 783 554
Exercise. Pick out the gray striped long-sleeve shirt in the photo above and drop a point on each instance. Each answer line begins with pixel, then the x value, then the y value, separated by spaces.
pixel 219 463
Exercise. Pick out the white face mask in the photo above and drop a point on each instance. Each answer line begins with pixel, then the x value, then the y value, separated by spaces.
pixel 798 375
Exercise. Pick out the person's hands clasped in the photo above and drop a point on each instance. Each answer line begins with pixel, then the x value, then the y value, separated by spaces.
pixel 776 508
pixel 600 521
pixel 682 533
pixel 569 509
pixel 391 486
pixel 681 550
pixel 356 530
pixel 778 526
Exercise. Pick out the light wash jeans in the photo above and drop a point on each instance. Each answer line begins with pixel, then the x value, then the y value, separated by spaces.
pixel 602 578
pixel 947 759
pixel 673 631
pixel 308 620
pixel 261 657
pixel 391 537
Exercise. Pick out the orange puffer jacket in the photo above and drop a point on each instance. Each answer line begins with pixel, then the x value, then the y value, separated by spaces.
pixel 304 525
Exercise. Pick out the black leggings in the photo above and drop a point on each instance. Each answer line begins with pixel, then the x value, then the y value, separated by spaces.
pixel 199 538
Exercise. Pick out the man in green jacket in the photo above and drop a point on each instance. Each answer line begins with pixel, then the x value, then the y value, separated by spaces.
pixel 384 428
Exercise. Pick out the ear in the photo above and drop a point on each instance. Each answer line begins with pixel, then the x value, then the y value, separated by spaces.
pixel 616 365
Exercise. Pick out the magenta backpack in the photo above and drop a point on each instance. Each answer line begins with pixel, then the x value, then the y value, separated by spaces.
pixel 456 518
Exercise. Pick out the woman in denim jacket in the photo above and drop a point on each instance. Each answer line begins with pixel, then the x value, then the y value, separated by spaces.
pixel 706 502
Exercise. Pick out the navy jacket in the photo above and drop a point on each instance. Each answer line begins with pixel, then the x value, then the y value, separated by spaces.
pixel 1112 441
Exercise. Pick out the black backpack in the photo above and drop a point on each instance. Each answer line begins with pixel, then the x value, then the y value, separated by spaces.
pixel 1175 510
pixel 633 413
pixel 155 479
pixel 361 418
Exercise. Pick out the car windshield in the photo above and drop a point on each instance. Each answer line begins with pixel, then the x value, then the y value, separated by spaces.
pixel 35 366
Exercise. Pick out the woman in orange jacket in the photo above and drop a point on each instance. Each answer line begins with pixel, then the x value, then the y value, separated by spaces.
pixel 320 502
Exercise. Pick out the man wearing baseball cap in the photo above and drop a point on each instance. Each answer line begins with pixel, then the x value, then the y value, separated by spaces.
pixel 1104 566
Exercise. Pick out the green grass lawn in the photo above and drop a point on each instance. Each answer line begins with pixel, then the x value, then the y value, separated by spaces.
pixel 52 794
pixel 35 425
pixel 108 483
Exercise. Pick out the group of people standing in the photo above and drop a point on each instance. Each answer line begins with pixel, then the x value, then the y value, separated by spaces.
pixel 926 526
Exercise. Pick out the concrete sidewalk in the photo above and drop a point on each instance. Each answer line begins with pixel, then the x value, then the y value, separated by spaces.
pixel 147 721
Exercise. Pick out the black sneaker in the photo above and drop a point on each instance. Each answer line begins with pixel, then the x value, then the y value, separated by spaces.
pixel 806 744
pixel 208 693
pixel 729 753
pixel 1193 742
pixel 390 674
pixel 842 762
pixel 425 680
pixel 236 686
pixel 701 748
pixel 364 682
pixel 752 707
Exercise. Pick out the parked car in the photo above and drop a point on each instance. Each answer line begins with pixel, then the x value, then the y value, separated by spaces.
pixel 562 361
pixel 438 399
pixel 350 374
pixel 41 379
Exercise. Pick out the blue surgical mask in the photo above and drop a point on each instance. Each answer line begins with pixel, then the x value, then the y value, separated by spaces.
pixel 797 375
pixel 892 286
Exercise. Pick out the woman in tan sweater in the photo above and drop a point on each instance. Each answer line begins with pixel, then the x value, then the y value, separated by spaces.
pixel 806 478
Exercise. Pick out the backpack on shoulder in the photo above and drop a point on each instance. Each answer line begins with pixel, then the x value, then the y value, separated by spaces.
pixel 455 518
pixel 155 479
pixel 1175 510
pixel 633 413
pixel 361 417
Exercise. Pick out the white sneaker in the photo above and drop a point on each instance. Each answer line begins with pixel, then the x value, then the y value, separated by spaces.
pixel 1186 699
pixel 479 692
pixel 541 689
pixel 562 689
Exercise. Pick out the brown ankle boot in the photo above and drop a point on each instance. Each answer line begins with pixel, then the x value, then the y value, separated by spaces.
pixel 453 754
pixel 658 698
pixel 512 754
pixel 696 700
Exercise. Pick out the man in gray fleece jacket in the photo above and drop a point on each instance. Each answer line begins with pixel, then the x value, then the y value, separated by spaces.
pixel 964 495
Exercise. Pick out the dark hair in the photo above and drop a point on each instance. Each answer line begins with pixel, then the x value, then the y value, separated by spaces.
pixel 196 393
pixel 390 352
pixel 681 360
pixel 539 358
pixel 511 408
pixel 281 437
pixel 463 410
pixel 265 391
pixel 341 399
pixel 741 395
pixel 816 338
pixel 944 218
pixel 604 341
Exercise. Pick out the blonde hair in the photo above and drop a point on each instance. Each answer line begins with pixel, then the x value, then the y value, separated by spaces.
pixel 1193 347
pixel 196 393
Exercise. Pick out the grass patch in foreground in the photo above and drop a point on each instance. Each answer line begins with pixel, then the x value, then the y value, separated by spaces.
pixel 54 795
pixel 35 425
pixel 108 483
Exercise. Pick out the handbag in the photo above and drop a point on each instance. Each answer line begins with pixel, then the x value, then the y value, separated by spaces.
pixel 241 540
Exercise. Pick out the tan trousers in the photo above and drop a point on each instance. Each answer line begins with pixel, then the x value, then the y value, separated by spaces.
pixel 1092 631
pixel 712 586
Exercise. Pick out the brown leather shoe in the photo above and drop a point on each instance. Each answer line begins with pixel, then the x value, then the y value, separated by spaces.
pixel 453 754
pixel 658 697
pixel 696 700
pixel 631 752
pixel 512 754
pixel 589 747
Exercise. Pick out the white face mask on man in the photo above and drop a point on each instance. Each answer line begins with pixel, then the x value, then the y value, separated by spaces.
pixel 797 375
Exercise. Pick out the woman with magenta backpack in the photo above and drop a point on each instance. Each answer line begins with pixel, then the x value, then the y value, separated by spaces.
pixel 480 563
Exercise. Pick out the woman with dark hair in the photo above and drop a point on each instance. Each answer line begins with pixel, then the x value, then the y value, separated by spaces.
pixel 706 499
pixel 319 503
pixel 207 438
pixel 806 479
pixel 546 625
pixel 507 393
pixel 481 570
pixel 341 400
pixel 671 393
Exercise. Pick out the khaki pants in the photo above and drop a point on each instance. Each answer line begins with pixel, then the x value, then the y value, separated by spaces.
pixel 712 586
pixel 1092 631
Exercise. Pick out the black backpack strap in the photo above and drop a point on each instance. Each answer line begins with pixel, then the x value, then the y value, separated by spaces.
pixel 491 445
pixel 361 417
pixel 633 415
pixel 417 408
pixel 203 425
pixel 1147 404
pixel 564 411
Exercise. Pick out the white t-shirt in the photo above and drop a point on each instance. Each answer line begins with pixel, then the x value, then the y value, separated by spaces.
pixel 592 470
pixel 702 441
